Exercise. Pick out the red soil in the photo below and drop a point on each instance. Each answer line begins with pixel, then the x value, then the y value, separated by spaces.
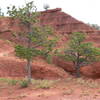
pixel 62 90
pixel 63 24
pixel 11 66
pixel 14 67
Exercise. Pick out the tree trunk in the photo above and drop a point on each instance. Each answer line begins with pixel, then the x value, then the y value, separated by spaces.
pixel 29 70
pixel 77 71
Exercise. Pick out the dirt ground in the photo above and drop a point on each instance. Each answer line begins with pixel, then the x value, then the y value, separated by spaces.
pixel 68 89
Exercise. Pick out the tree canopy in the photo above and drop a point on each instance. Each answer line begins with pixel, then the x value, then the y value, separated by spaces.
pixel 37 37
pixel 79 52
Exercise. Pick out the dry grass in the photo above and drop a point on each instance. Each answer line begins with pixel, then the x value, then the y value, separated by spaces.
pixel 44 84
pixel 70 87
pixel 68 92
pixel 87 83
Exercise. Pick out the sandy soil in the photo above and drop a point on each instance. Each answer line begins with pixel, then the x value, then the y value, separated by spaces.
pixel 69 89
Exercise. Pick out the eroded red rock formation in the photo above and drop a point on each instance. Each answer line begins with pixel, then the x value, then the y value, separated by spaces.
pixel 66 24
pixel 63 25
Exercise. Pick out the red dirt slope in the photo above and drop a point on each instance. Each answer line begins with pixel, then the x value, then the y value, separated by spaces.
pixel 63 24
pixel 12 67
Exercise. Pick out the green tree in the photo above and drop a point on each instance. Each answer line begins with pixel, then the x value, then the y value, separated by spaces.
pixel 1 13
pixel 36 36
pixel 96 26
pixel 80 53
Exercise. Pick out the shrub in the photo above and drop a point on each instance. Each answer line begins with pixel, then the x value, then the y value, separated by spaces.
pixel 12 82
pixel 24 84
pixel 44 84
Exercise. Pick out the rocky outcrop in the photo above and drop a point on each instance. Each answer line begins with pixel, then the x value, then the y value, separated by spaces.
pixel 92 70
pixel 14 67
pixel 63 23
pixel 48 72
pixel 67 66
pixel 11 66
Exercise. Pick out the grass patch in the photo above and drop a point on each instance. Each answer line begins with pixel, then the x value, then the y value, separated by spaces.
pixel 9 81
pixel 44 84
pixel 12 82
pixel 87 83
pixel 24 84
pixel 8 41
pixel 4 79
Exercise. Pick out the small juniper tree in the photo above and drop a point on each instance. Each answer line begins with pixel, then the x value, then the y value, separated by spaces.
pixel 96 26
pixel 80 53
pixel 46 6
pixel 1 13
pixel 36 36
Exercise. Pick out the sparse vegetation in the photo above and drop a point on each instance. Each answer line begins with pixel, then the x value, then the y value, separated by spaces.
pixel 1 13
pixel 9 81
pixel 4 79
pixel 40 41
pixel 46 6
pixel 8 41
pixel 12 82
pixel 63 87
pixel 79 52
pixel 35 34
pixel 24 83
pixel 44 84
pixel 96 26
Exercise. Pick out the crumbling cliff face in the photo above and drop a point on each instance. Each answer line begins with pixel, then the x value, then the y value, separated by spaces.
pixel 63 25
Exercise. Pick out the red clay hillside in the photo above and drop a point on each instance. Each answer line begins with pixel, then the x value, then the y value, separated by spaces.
pixel 63 25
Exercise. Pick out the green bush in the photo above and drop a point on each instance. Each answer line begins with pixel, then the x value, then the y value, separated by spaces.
pixel 3 79
pixel 24 84
pixel 12 82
